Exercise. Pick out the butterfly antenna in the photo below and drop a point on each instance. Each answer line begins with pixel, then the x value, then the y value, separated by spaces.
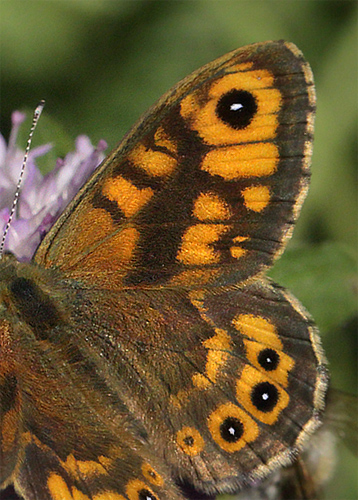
pixel 35 119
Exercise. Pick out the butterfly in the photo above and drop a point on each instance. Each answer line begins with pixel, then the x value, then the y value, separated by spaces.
pixel 144 355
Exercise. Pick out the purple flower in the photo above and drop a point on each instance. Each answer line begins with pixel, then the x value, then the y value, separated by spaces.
pixel 42 197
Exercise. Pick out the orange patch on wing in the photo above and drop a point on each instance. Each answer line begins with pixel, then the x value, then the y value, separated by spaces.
pixel 246 160
pixel 152 475
pixel 256 198
pixel 240 239
pixel 115 252
pixel 86 468
pixel 239 67
pixel 179 399
pixel 195 277
pixel 155 163
pixel 60 491
pixel 218 352
pixel 128 197
pixel 200 381
pixel 259 329
pixel 196 244
pixel 237 252
pixel 162 139
pixel 209 206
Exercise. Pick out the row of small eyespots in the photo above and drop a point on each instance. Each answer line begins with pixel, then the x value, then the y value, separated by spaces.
pixel 262 396
pixel 230 426
pixel 260 387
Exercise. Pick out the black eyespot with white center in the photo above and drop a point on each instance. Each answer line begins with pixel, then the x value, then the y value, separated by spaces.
pixel 264 396
pixel 237 108
pixel 146 495
pixel 268 359
pixel 231 429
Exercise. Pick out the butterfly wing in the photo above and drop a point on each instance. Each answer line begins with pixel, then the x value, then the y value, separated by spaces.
pixel 207 390
pixel 128 476
pixel 228 385
pixel 202 194
pixel 206 188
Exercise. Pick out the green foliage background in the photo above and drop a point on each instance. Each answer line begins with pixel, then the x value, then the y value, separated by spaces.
pixel 101 63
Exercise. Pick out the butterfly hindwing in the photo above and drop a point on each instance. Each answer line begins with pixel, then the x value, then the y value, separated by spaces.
pixel 235 398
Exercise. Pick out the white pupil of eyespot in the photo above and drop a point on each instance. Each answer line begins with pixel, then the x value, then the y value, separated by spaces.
pixel 265 396
pixel 232 431
pixel 236 106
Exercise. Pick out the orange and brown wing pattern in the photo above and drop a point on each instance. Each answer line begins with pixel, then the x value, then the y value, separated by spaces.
pixel 206 188
pixel 42 475
pixel 242 374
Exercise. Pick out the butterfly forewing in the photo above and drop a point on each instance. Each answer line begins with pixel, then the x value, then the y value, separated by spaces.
pixel 206 189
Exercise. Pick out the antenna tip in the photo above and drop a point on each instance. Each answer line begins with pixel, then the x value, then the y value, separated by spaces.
pixel 40 107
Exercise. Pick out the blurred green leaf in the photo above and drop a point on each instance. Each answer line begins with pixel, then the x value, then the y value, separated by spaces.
pixel 325 280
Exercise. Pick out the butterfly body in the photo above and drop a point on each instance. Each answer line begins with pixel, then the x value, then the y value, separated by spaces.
pixel 143 351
